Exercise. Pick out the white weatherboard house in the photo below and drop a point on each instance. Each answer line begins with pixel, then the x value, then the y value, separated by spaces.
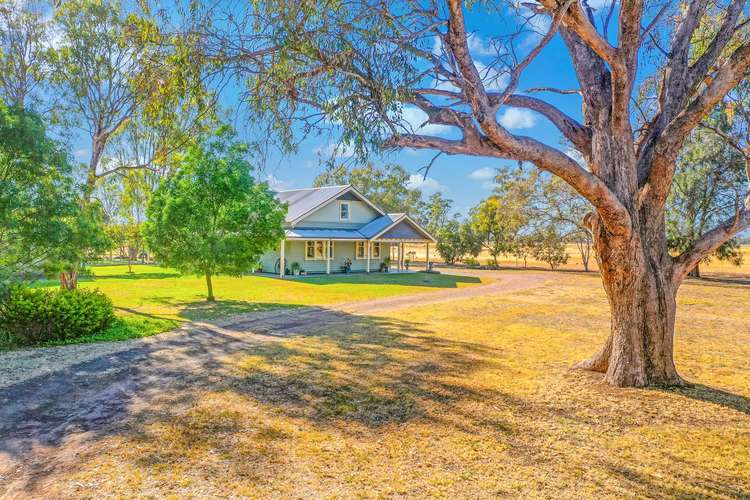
pixel 327 226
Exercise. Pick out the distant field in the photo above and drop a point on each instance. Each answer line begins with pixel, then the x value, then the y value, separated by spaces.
pixel 715 267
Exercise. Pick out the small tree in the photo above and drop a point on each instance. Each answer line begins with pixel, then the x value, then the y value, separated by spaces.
pixel 211 216
pixel 84 238
pixel 524 248
pixel 489 222
pixel 549 247
pixel 449 241
pixel 471 242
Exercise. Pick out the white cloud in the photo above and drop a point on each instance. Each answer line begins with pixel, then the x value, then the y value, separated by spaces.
pixel 478 46
pixel 416 119
pixel 428 185
pixel 515 118
pixel 576 155
pixel 334 150
pixel 483 174
pixel 277 184
pixel 489 185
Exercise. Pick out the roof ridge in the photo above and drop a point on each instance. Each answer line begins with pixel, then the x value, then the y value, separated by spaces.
pixel 313 188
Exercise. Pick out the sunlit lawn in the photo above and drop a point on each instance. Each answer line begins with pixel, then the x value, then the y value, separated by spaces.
pixel 164 293
pixel 154 299
pixel 472 398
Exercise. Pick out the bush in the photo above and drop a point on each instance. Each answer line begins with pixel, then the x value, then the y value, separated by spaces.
pixel 40 315
pixel 471 262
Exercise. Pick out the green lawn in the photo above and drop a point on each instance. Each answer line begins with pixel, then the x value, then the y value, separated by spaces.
pixel 154 299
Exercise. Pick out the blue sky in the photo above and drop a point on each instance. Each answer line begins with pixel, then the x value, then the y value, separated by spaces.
pixel 464 179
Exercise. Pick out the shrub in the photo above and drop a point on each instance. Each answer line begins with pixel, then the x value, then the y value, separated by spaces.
pixel 40 315
pixel 471 262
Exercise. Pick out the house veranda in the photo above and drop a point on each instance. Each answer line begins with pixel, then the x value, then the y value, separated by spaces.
pixel 336 229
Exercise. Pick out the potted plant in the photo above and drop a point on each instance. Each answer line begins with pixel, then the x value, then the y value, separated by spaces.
pixel 384 265
pixel 347 267
pixel 296 268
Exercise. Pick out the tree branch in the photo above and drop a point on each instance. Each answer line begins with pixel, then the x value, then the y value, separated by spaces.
pixel 665 149
pixel 612 212
pixel 710 241
pixel 576 133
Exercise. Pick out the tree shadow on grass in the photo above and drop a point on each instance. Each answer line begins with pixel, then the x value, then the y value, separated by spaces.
pixel 429 280
pixel 700 392
pixel 324 366
pixel 205 310
pixel 219 390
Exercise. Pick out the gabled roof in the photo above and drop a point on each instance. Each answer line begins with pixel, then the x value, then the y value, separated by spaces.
pixel 378 225
pixel 370 231
pixel 303 202
pixel 397 219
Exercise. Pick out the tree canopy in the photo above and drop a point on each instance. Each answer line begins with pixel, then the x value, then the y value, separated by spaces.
pixel 211 216
pixel 37 194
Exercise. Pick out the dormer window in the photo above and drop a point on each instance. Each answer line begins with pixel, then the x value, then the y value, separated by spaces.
pixel 344 210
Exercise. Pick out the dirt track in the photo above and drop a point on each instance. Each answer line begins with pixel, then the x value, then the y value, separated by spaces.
pixel 54 400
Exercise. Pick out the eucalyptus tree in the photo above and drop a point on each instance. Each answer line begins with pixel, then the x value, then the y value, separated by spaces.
pixel 365 65
pixel 123 89
pixel 704 192
pixel 561 205
pixel 24 41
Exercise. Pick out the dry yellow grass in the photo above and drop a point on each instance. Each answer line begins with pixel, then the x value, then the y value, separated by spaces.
pixel 468 399
pixel 714 268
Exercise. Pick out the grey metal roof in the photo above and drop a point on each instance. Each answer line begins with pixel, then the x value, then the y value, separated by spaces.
pixel 376 226
pixel 302 201
pixel 366 232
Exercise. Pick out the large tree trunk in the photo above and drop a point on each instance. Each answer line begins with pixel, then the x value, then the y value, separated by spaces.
pixel 636 273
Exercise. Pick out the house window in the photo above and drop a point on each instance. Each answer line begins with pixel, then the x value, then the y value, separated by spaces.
pixel 309 250
pixel 315 250
pixel 376 250
pixel 344 210
pixel 360 250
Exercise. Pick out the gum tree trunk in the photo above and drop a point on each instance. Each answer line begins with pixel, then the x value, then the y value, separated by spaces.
pixel 637 274
pixel 210 287
pixel 642 299
pixel 695 272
